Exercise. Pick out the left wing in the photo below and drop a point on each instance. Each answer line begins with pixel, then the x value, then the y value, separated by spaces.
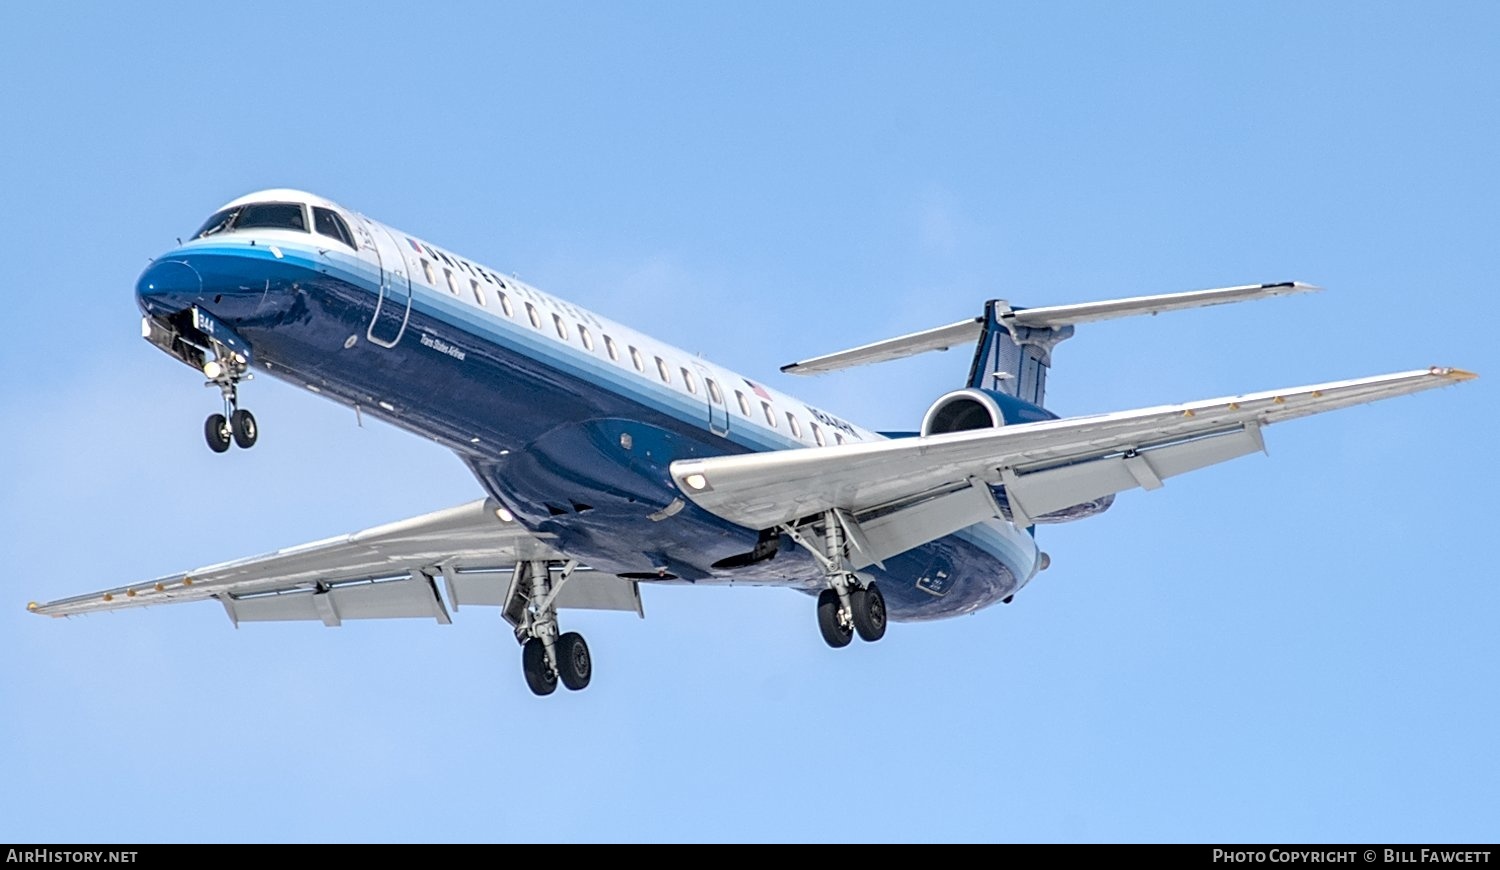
pixel 908 491
pixel 386 571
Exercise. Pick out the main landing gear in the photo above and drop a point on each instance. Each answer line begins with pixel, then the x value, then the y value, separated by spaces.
pixel 849 605
pixel 531 607
pixel 236 425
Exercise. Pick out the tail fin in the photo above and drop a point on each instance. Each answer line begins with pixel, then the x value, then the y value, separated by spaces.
pixel 1011 358
pixel 1015 344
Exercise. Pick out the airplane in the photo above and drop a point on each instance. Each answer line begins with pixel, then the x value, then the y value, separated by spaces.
pixel 608 459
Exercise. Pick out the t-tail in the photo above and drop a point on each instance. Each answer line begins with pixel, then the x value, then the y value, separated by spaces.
pixel 1013 346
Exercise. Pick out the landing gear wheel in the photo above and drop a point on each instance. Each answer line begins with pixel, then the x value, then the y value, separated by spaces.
pixel 869 612
pixel 835 632
pixel 216 432
pixel 573 661
pixel 242 423
pixel 539 676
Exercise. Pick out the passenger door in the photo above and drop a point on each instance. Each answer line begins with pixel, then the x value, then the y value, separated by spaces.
pixel 393 307
pixel 718 400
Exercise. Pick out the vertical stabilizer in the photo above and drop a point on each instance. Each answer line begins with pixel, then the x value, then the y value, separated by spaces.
pixel 1011 358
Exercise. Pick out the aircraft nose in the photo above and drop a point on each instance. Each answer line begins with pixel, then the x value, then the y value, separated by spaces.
pixel 168 286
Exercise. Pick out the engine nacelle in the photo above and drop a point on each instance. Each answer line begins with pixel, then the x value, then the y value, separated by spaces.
pixel 963 410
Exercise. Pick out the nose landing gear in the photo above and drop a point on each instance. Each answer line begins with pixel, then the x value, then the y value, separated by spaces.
pixel 236 425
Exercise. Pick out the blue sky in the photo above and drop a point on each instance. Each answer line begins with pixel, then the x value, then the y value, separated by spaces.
pixel 1299 647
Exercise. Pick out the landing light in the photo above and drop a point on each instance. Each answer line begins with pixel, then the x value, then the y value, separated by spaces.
pixel 504 515
pixel 212 369
pixel 695 481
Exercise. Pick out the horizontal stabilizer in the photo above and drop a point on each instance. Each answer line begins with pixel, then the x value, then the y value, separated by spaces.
pixel 1050 317
pixel 1054 316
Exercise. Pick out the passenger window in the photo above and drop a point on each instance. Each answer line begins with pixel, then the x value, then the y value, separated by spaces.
pixel 663 370
pixel 635 357
pixel 585 337
pixel 744 404
pixel 614 351
pixel 505 304
pixel 838 438
pixel 427 270
pixel 714 394
pixel 478 294
pixel 770 415
pixel 536 319
pixel 690 382
pixel 817 434
pixel 328 223
pixel 792 422
pixel 562 328
pixel 452 285
pixel 272 216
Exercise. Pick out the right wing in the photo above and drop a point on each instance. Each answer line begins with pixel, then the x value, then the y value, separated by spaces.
pixel 908 491
pixel 386 571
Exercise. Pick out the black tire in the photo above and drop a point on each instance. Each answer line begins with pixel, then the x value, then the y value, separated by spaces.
pixel 242 424
pixel 573 661
pixel 835 633
pixel 869 613
pixel 216 433
pixel 539 676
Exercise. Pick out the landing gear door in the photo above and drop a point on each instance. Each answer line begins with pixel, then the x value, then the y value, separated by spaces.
pixel 718 401
pixel 393 307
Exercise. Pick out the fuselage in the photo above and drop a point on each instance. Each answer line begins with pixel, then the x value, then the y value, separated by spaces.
pixel 567 418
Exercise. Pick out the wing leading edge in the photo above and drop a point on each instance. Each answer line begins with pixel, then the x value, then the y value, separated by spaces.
pixel 1045 466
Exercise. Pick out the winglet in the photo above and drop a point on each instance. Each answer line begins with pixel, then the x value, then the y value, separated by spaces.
pixel 1454 374
pixel 31 606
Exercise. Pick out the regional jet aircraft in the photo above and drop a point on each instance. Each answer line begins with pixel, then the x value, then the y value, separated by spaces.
pixel 608 459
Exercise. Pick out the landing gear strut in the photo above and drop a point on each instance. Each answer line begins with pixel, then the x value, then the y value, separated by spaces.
pixel 849 605
pixel 546 656
pixel 236 425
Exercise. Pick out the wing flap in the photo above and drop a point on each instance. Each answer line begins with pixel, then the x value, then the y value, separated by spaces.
pixel 584 590
pixel 1043 492
pixel 763 490
pixel 929 519
pixel 414 596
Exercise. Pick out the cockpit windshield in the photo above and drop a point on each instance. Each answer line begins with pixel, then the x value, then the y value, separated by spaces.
pixel 256 215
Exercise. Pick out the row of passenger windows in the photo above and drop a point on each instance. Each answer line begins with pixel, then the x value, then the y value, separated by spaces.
pixel 612 350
